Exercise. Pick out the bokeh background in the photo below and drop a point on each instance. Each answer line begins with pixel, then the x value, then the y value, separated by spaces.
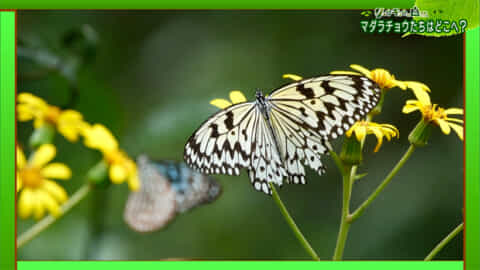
pixel 149 76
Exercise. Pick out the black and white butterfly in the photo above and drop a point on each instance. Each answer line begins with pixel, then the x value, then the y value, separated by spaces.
pixel 167 188
pixel 273 136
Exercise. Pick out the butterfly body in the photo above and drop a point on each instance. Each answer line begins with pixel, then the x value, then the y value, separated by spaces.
pixel 167 188
pixel 273 136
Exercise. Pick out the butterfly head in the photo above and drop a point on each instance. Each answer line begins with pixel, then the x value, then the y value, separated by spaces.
pixel 260 99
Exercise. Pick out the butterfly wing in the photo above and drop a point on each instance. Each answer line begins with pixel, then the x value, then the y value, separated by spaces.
pixel 223 143
pixel 234 138
pixel 168 188
pixel 192 188
pixel 308 113
pixel 153 206
pixel 329 105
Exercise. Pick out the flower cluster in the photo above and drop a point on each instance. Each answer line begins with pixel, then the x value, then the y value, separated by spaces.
pixel 69 123
pixel 37 192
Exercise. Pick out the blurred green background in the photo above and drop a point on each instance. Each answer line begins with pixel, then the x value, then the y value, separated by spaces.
pixel 150 77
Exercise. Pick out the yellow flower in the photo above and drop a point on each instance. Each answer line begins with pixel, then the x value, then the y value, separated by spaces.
pixel 68 122
pixel 363 128
pixel 37 192
pixel 235 96
pixel 385 79
pixel 435 114
pixel 121 167
pixel 292 77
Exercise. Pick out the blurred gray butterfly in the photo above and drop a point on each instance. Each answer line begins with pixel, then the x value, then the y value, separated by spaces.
pixel 167 189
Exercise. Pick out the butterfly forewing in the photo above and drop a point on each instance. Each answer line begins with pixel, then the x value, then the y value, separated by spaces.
pixel 223 144
pixel 301 118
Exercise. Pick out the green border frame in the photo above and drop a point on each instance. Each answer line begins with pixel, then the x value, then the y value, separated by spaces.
pixel 7 138
pixel 472 150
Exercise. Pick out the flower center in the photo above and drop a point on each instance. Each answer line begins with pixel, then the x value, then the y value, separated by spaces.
pixel 383 78
pixel 363 123
pixel 52 114
pixel 31 177
pixel 431 113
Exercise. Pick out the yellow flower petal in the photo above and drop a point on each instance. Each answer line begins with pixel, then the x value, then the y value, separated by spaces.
pixel 69 124
pixel 409 108
pixel 237 97
pixel 455 120
pixel 48 202
pixel 99 137
pixel 360 132
pixel 292 77
pixel 338 72
pixel 399 84
pixel 453 111
pixel 24 113
pixel 43 155
pixel 458 129
pixel 25 203
pixel 57 171
pixel 417 86
pixel 349 132
pixel 30 106
pixel 38 207
pixel 55 190
pixel 21 160
pixel 379 136
pixel 221 103
pixel 423 97
pixel 38 123
pixel 117 173
pixel 18 183
pixel 443 126
pixel 134 182
pixel 364 71
pixel 29 98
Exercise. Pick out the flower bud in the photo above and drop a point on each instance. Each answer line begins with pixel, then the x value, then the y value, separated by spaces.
pixel 420 134
pixel 351 153
pixel 98 174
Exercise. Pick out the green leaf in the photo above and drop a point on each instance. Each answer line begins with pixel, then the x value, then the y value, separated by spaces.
pixel 465 14
pixel 450 10
pixel 360 176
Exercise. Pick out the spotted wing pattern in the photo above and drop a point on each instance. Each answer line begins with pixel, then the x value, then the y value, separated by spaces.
pixel 235 138
pixel 308 113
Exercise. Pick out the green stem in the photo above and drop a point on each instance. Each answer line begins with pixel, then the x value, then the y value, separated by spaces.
pixel 292 224
pixel 357 213
pixel 49 220
pixel 348 179
pixel 445 241
pixel 344 223
pixel 338 162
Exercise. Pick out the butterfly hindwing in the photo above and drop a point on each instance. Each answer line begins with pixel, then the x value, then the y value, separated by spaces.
pixel 329 105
